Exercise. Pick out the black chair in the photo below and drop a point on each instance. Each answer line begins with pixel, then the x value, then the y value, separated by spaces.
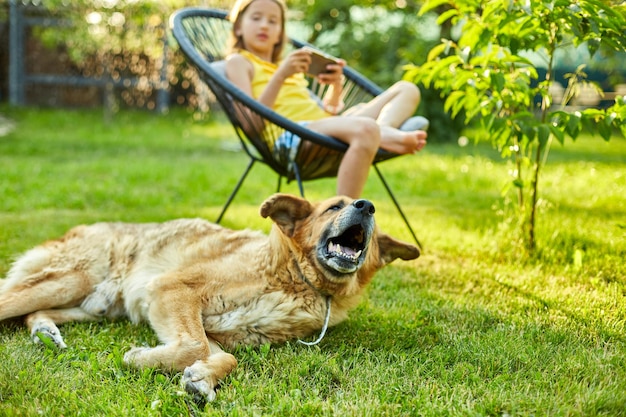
pixel 203 36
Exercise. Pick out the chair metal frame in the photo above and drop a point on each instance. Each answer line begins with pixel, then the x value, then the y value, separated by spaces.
pixel 203 35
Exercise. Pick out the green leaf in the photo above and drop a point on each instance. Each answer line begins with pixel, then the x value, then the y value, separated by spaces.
pixel 46 341
pixel 498 81
pixel 437 50
pixel 593 45
pixel 454 103
pixel 589 124
pixel 472 35
pixel 558 133
pixel 431 5
pixel 605 129
pixel 543 134
pixel 528 131
pixel 574 125
pixel 443 67
pixel 447 15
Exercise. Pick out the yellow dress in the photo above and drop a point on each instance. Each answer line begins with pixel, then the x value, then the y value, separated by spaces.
pixel 294 100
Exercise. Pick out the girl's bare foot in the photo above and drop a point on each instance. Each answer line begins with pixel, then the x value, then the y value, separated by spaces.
pixel 400 142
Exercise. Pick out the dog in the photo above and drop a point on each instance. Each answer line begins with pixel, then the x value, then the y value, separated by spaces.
pixel 202 287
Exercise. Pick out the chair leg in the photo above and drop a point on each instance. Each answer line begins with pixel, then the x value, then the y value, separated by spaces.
pixel 237 187
pixel 296 171
pixel 280 183
pixel 393 198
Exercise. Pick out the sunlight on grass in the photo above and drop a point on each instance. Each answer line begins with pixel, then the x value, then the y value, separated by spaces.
pixel 469 328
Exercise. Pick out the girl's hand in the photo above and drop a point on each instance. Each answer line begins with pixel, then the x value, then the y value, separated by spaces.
pixel 334 76
pixel 296 62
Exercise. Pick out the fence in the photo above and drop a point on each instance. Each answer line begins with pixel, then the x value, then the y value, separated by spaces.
pixel 23 17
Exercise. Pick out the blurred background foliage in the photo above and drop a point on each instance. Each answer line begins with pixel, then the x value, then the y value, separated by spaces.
pixel 124 38
pixel 379 38
pixel 118 39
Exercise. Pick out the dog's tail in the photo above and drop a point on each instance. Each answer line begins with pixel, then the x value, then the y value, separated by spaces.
pixel 33 260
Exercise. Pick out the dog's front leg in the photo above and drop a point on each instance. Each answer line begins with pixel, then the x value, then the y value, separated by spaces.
pixel 201 378
pixel 175 314
pixel 42 324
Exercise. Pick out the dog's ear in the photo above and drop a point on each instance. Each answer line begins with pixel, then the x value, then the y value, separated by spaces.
pixel 391 249
pixel 285 210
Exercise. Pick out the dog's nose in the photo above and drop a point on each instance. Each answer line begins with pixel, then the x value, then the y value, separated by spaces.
pixel 366 207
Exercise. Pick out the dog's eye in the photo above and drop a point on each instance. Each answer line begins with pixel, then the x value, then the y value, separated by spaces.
pixel 335 207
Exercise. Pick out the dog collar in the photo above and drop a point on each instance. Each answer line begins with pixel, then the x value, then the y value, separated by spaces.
pixel 324 328
pixel 326 319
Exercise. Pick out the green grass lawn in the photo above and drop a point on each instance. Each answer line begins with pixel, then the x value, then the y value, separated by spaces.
pixel 470 328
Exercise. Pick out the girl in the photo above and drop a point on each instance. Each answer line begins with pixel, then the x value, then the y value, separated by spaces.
pixel 255 67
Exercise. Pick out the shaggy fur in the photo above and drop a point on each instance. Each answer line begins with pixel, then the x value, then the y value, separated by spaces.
pixel 203 287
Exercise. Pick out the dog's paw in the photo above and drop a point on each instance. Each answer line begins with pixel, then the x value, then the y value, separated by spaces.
pixel 198 381
pixel 96 304
pixel 48 334
pixel 133 356
pixel 104 300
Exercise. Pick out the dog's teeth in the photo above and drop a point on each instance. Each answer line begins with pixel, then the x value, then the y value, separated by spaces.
pixel 347 253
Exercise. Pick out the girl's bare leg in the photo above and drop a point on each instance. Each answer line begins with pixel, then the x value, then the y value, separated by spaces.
pixel 397 141
pixel 362 135
pixel 392 107
pixel 353 171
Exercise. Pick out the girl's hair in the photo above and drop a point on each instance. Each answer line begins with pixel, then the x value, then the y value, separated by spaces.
pixel 235 16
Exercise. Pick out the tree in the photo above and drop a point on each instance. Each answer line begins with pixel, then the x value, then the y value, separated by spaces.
pixel 116 40
pixel 486 75
pixel 379 39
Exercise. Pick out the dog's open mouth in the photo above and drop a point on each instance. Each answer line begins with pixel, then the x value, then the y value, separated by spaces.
pixel 345 252
pixel 349 245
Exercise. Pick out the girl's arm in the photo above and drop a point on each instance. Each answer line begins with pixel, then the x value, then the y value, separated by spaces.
pixel 332 99
pixel 240 72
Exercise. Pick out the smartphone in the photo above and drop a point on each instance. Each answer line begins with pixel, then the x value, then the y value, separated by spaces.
pixel 319 60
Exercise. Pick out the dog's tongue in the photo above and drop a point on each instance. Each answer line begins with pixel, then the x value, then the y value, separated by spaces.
pixel 348 251
pixel 343 250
